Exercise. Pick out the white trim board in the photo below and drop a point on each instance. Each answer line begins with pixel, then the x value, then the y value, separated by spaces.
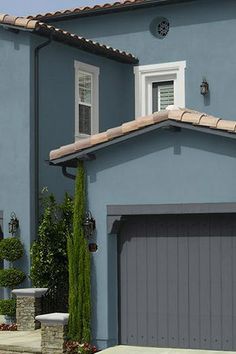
pixel 145 75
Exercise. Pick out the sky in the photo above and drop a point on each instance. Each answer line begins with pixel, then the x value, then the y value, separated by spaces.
pixel 28 7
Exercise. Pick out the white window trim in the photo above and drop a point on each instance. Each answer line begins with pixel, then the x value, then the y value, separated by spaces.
pixel 94 71
pixel 145 75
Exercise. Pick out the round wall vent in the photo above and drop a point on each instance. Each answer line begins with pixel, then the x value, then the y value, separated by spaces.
pixel 160 27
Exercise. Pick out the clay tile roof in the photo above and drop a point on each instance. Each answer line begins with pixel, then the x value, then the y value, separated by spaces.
pixel 185 116
pixel 67 37
pixel 87 9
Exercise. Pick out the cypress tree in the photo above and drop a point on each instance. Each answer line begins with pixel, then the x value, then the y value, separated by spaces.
pixel 79 268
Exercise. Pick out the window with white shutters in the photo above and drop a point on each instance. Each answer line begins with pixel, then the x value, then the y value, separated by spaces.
pixel 162 95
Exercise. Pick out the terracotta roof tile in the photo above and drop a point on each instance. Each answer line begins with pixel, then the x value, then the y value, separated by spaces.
pixel 209 121
pixel 179 115
pixel 191 117
pixel 82 144
pixel 65 36
pixel 226 125
pixel 114 132
pixel 145 121
pixel 99 138
pixel 82 9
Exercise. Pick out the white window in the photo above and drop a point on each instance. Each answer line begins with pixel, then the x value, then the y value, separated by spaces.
pixel 158 86
pixel 86 100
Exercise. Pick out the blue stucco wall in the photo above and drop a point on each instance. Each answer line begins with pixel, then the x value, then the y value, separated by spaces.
pixel 57 103
pixel 156 168
pixel 202 33
pixel 15 132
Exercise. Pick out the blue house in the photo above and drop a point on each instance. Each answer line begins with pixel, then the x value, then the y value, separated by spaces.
pixel 160 176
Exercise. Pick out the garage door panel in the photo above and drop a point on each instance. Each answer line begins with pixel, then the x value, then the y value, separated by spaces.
pixel 216 291
pixel 172 291
pixel 152 300
pixel 183 289
pixel 227 290
pixel 178 281
pixel 123 304
pixel 194 279
pixel 132 316
pixel 141 251
pixel 162 286
pixel 205 301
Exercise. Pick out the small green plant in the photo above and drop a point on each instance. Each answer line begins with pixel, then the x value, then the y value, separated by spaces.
pixel 11 249
pixel 9 278
pixel 8 307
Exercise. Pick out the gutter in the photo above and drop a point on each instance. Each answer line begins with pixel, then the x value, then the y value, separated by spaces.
pixel 36 124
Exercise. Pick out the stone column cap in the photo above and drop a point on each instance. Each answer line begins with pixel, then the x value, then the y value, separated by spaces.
pixel 52 319
pixel 32 292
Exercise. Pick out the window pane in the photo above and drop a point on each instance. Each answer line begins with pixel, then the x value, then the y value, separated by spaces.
pixel 162 95
pixel 85 87
pixel 84 119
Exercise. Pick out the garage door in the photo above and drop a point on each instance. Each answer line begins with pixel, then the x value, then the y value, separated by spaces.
pixel 177 281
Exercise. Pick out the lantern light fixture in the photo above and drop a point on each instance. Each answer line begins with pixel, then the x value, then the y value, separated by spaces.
pixel 89 224
pixel 13 225
pixel 204 87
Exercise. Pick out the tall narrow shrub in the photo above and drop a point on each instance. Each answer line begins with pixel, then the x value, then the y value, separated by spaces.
pixel 79 267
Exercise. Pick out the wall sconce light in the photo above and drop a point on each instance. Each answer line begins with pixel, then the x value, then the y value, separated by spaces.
pixel 204 87
pixel 89 225
pixel 13 225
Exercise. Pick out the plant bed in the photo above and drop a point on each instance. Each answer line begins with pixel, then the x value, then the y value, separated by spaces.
pixel 73 347
pixel 8 327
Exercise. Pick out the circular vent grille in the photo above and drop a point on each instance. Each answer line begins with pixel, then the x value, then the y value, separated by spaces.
pixel 160 27
pixel 163 28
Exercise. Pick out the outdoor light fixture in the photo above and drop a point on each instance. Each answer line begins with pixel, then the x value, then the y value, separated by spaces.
pixel 89 225
pixel 204 87
pixel 13 225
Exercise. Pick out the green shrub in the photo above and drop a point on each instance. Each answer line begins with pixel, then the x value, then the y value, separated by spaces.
pixel 11 249
pixel 10 278
pixel 8 307
pixel 49 252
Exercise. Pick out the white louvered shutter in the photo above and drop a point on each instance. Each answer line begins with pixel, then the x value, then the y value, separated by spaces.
pixel 162 95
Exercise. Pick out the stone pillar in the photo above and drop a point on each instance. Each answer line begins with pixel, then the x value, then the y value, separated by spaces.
pixel 53 332
pixel 28 306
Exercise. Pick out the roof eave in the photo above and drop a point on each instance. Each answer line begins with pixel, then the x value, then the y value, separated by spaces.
pixel 106 10
pixel 71 160
pixel 87 46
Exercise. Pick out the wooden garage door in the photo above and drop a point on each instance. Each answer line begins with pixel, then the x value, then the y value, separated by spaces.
pixel 177 281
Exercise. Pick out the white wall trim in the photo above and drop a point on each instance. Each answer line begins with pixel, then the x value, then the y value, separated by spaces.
pixel 94 71
pixel 146 74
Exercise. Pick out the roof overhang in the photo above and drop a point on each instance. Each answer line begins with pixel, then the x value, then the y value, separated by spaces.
pixel 17 24
pixel 71 160
pixel 118 6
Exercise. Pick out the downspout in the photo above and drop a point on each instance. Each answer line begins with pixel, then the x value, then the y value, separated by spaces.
pixel 36 124
pixel 67 174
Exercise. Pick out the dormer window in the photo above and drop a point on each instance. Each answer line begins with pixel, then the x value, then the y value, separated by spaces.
pixel 86 100
pixel 158 86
